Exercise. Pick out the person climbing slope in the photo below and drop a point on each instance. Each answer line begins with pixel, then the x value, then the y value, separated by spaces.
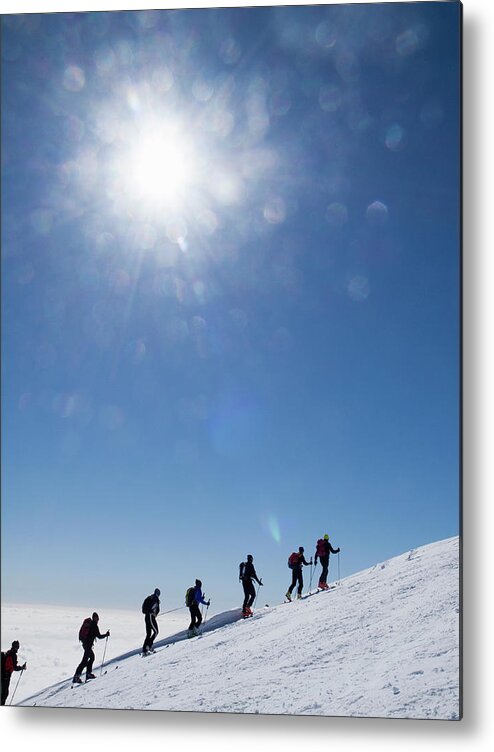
pixel 323 550
pixel 151 609
pixel 193 599
pixel 295 562
pixel 247 573
pixel 88 632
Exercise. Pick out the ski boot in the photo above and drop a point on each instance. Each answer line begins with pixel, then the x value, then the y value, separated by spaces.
pixel 288 596
pixel 90 676
pixel 77 680
pixel 299 595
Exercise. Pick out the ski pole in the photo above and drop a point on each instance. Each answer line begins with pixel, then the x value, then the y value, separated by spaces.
pixel 257 593
pixel 338 567
pixel 15 690
pixel 205 617
pixel 171 610
pixel 104 653
pixel 310 581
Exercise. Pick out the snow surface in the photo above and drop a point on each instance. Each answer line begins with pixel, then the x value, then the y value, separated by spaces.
pixel 384 643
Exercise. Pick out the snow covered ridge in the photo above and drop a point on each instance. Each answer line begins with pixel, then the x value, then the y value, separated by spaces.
pixel 384 643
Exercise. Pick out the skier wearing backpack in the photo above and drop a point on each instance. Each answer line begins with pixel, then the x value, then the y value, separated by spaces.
pixel 295 562
pixel 9 665
pixel 151 609
pixel 193 598
pixel 247 573
pixel 323 549
pixel 88 632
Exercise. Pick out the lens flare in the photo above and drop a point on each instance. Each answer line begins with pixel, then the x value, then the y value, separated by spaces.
pixel 274 528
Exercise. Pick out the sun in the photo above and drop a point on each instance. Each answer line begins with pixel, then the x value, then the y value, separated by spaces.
pixel 160 168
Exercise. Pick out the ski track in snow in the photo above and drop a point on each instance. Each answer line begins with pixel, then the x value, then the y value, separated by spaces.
pixel 385 643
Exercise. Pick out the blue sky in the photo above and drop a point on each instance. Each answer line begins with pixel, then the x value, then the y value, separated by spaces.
pixel 230 295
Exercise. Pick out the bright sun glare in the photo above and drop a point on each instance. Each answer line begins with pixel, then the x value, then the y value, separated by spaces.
pixel 161 168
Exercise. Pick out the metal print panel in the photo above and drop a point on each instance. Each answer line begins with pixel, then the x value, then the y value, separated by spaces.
pixel 231 360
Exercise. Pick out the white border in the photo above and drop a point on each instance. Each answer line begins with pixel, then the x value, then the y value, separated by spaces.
pixel 97 730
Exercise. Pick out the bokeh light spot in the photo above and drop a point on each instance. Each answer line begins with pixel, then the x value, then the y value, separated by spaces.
pixel 395 137
pixel 202 90
pixel 377 213
pixel 74 78
pixel 325 35
pixel 329 98
pixel 274 210
pixel 358 288
pixel 230 51
pixel 408 42
pixel 162 79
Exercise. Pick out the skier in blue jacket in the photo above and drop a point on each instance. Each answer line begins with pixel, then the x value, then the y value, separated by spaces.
pixel 195 611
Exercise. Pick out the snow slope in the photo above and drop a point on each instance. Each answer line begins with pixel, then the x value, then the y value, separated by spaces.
pixel 384 643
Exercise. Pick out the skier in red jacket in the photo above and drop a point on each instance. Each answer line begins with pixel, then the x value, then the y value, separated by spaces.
pixel 87 640
pixel 9 665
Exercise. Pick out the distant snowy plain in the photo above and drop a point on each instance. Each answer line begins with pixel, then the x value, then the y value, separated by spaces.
pixel 384 643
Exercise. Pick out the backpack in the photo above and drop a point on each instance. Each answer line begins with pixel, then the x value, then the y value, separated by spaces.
pixel 189 596
pixel 292 560
pixel 147 604
pixel 7 663
pixel 85 629
pixel 241 570
pixel 320 548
